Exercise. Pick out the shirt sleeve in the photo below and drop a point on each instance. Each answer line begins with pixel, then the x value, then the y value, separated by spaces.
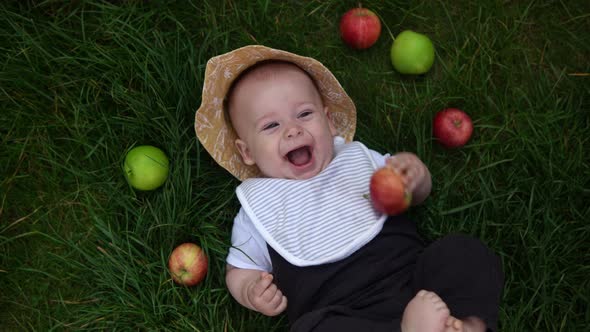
pixel 248 249
pixel 378 158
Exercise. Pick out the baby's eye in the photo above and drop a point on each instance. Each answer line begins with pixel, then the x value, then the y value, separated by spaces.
pixel 270 126
pixel 304 114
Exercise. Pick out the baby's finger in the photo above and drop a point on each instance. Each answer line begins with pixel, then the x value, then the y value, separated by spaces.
pixel 409 173
pixel 269 293
pixel 398 165
pixel 409 183
pixel 395 161
pixel 262 284
pixel 282 306
pixel 410 178
pixel 276 300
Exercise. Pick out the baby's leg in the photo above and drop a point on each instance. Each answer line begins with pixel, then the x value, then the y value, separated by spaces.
pixel 467 275
pixel 425 312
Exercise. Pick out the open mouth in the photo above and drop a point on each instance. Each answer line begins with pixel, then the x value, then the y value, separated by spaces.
pixel 300 156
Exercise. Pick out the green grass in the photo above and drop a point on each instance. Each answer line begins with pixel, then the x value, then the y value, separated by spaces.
pixel 82 82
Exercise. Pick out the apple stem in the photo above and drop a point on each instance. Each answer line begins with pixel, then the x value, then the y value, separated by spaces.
pixel 456 123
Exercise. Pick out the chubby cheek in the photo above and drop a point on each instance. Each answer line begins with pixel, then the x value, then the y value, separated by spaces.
pixel 267 154
pixel 272 168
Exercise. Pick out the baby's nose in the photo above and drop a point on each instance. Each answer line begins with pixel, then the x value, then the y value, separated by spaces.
pixel 294 131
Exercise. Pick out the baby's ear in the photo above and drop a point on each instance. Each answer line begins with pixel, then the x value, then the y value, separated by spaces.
pixel 244 152
pixel 333 130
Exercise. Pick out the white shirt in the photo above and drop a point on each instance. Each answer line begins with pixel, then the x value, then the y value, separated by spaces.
pixel 249 250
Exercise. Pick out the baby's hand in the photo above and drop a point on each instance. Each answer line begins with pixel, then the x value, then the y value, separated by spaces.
pixel 265 297
pixel 409 166
pixel 412 170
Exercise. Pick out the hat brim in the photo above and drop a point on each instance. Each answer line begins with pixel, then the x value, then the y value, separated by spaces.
pixel 214 130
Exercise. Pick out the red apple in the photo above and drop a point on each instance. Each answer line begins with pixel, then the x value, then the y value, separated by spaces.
pixel 452 127
pixel 360 28
pixel 187 264
pixel 388 193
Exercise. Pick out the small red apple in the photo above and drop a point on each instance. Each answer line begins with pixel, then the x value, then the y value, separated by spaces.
pixel 452 127
pixel 188 264
pixel 360 28
pixel 388 193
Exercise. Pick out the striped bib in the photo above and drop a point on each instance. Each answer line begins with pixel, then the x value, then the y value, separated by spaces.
pixel 319 220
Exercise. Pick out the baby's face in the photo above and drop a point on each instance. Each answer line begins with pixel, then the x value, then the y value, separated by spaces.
pixel 283 126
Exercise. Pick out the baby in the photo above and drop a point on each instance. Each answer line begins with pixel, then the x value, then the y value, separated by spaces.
pixel 307 239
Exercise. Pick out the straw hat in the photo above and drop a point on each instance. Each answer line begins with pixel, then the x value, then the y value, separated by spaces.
pixel 214 130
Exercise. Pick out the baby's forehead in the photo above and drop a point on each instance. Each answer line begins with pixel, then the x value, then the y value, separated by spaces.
pixel 263 72
pixel 269 70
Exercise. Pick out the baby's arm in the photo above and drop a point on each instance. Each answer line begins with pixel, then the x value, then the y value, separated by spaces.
pixel 415 175
pixel 255 290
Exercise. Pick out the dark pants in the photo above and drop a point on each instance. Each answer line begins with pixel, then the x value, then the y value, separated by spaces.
pixel 369 290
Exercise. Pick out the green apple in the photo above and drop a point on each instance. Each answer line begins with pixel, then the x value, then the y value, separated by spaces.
pixel 146 167
pixel 412 53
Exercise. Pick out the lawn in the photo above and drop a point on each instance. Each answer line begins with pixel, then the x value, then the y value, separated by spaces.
pixel 82 82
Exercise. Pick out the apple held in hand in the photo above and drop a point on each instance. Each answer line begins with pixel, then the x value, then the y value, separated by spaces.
pixel 412 53
pixel 187 264
pixel 146 167
pixel 452 127
pixel 388 192
pixel 360 28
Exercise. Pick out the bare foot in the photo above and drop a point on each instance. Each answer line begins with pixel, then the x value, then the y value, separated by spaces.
pixel 469 324
pixel 454 325
pixel 426 312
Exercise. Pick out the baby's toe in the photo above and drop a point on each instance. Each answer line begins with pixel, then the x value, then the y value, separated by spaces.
pixel 453 325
